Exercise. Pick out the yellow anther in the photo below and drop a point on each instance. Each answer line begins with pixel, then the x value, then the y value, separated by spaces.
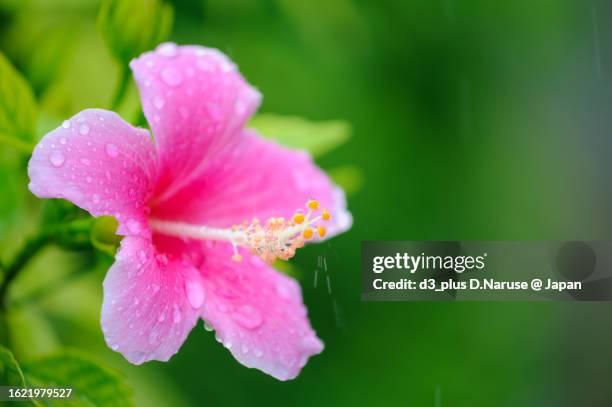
pixel 325 215
pixel 308 233
pixel 321 231
pixel 313 204
pixel 298 218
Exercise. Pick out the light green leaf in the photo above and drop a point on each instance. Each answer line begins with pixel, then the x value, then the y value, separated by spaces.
pixel 295 132
pixel 93 384
pixel 17 107
pixel 349 177
pixel 131 27
pixel 10 373
pixel 31 334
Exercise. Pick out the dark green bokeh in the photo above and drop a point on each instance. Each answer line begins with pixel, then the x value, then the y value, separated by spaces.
pixel 471 120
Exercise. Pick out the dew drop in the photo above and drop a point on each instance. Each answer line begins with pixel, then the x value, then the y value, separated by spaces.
pixel 171 77
pixel 85 161
pixel 167 49
pixel 195 293
pixel 204 65
pixel 245 348
pixel 257 352
pixel 208 327
pixel 248 317
pixel 84 129
pixel 66 124
pixel 136 357
pixel 158 102
pixel 63 140
pixel 112 150
pixel 57 158
pixel 176 315
pixel 133 225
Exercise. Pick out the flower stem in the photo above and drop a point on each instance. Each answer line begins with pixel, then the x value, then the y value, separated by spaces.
pixel 122 85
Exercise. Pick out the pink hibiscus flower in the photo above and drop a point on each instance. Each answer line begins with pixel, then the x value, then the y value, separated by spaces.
pixel 187 207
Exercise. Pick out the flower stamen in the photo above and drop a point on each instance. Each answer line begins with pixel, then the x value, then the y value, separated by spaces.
pixel 278 238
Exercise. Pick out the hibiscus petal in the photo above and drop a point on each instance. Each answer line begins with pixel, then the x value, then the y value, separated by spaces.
pixel 258 178
pixel 196 103
pixel 150 303
pixel 100 163
pixel 258 313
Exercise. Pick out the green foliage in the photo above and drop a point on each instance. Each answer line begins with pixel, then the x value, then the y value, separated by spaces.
pixel 318 138
pixel 10 372
pixel 31 334
pixel 103 236
pixel 17 106
pixel 52 47
pixel 349 177
pixel 93 384
pixel 131 27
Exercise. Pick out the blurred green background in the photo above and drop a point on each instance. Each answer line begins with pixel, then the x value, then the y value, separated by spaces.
pixel 470 120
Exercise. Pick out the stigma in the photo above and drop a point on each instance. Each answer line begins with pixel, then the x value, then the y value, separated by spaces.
pixel 276 238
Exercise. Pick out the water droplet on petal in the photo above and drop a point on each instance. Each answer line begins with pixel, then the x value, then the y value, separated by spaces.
pixel 248 317
pixel 133 225
pixel 245 348
pixel 195 292
pixel 137 357
pixel 66 124
pixel 112 150
pixel 63 140
pixel 84 129
pixel 208 327
pixel 171 77
pixel 167 49
pixel 204 65
pixel 85 161
pixel 176 315
pixel 57 158
pixel 158 102
pixel 258 352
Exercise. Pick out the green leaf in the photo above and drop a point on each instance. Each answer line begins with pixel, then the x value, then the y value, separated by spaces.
pixel 93 383
pixel 131 27
pixel 10 373
pixel 349 177
pixel 17 107
pixel 295 132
